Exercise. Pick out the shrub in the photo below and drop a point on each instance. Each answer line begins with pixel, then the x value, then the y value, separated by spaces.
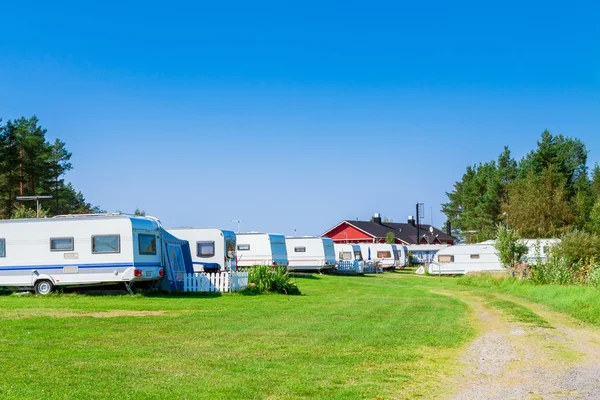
pixel 263 279
pixel 509 247
pixel 578 246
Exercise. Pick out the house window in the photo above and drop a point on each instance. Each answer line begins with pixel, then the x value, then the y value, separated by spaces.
pixel 384 254
pixel 299 249
pixel 147 244
pixel 2 247
pixel 474 256
pixel 205 249
pixel 243 247
pixel 445 259
pixel 62 244
pixel 102 244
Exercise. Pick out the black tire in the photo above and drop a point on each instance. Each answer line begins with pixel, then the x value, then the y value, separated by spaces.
pixel 43 287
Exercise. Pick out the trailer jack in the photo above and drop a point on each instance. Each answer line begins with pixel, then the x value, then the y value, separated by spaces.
pixel 128 287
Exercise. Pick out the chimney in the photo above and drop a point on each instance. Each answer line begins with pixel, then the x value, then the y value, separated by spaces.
pixel 448 228
pixel 377 218
pixel 411 220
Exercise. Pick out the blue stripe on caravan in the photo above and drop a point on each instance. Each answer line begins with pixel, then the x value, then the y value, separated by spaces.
pixel 83 266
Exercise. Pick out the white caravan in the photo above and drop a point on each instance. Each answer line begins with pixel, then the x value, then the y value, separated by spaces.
pixel 401 256
pixel 211 249
pixel 348 258
pixel 310 253
pixel 386 255
pixel 87 250
pixel 483 256
pixel 539 248
pixel 261 249
pixel 347 252
pixel 465 258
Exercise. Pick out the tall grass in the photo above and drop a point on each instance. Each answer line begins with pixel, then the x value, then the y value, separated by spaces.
pixel 263 279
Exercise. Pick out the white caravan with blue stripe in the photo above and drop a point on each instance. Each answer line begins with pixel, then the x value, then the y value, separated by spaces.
pixel 261 249
pixel 80 250
pixel 309 253
pixel 211 249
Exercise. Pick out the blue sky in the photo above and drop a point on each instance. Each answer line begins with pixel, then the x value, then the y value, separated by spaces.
pixel 296 115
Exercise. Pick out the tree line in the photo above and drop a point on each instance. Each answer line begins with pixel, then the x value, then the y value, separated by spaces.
pixel 547 193
pixel 30 165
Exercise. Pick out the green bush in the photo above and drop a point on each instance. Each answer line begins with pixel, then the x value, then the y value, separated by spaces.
pixel 578 246
pixel 572 261
pixel 509 247
pixel 263 279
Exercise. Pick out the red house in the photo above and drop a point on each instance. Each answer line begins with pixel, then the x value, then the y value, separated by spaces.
pixel 377 231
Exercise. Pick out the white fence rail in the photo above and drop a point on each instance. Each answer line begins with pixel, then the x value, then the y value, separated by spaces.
pixel 216 282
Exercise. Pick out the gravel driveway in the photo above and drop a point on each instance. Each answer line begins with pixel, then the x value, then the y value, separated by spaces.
pixel 514 360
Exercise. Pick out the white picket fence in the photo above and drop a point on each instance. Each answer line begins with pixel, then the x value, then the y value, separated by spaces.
pixel 216 282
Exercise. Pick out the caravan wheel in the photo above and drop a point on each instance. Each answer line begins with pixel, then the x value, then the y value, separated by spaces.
pixel 43 287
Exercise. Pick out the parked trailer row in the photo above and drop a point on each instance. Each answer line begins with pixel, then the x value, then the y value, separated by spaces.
pixel 101 249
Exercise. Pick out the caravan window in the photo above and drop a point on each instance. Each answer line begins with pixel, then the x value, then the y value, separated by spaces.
pixel 205 249
pixel 62 244
pixel 102 244
pixel 2 247
pixel 243 247
pixel 358 255
pixel 345 255
pixel 474 256
pixel 545 249
pixel 445 259
pixel 299 249
pixel 147 244
pixel 384 254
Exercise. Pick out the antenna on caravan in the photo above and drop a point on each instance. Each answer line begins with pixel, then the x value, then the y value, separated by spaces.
pixel 37 201
pixel 239 223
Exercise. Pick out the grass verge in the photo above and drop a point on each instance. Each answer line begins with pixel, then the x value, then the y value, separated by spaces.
pixel 580 302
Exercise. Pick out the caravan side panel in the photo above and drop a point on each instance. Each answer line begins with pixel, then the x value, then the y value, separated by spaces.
pixel 74 251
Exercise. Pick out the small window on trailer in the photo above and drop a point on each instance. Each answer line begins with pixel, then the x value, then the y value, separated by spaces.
pixel 545 249
pixel 205 249
pixel 300 249
pixel 345 255
pixel 384 254
pixel 103 244
pixel 62 244
pixel 445 258
pixel 243 247
pixel 147 244
pixel 474 256
pixel 2 247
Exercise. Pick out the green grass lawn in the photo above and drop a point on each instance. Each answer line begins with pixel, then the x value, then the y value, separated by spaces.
pixel 380 336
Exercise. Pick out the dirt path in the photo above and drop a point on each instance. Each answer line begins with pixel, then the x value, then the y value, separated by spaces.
pixel 525 351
